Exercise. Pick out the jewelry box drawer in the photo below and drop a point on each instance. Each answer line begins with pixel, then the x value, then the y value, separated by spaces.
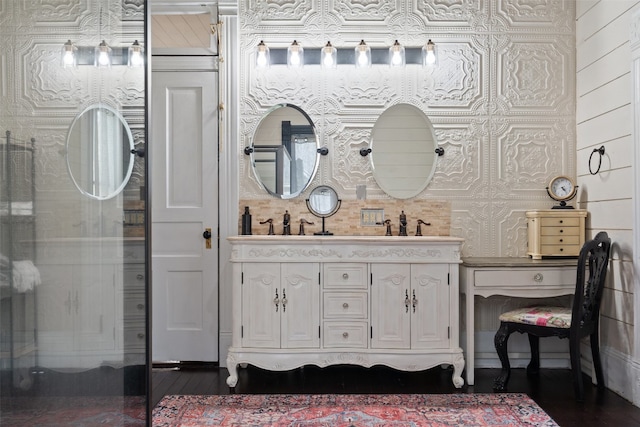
pixel 559 231
pixel 560 240
pixel 560 250
pixel 534 277
pixel 134 336
pixel 560 222
pixel 345 305
pixel 345 276
pixel 134 304
pixel 345 334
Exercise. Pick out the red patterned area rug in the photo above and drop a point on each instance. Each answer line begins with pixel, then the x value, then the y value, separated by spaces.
pixel 393 410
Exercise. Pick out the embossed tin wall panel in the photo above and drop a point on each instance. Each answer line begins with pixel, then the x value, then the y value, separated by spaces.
pixel 502 100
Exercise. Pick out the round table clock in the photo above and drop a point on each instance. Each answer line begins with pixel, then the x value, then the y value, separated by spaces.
pixel 562 188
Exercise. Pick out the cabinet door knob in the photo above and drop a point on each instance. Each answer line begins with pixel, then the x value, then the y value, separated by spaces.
pixel 345 335
pixel 345 305
pixel 345 276
pixel 538 277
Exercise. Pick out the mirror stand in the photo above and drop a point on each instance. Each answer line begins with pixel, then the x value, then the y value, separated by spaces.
pixel 323 202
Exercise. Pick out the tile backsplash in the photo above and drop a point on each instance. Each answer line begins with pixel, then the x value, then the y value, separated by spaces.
pixel 346 222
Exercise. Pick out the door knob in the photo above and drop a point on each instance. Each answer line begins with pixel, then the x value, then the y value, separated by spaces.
pixel 207 237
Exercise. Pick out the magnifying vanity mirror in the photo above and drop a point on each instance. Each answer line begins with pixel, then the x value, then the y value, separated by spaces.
pixel 403 151
pixel 99 152
pixel 323 202
pixel 285 151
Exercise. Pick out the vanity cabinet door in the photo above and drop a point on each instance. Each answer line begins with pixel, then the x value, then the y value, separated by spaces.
pixel 390 306
pixel 300 315
pixel 430 306
pixel 281 305
pixel 410 306
pixel 261 305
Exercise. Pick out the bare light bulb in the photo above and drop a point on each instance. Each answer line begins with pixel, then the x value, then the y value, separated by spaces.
pixel 262 58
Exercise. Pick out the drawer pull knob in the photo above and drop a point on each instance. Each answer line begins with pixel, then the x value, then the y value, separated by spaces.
pixel 561 221
pixel 140 277
pixel 345 335
pixel 561 249
pixel 345 305
pixel 140 335
pixel 561 230
pixel 140 306
pixel 538 277
pixel 345 276
pixel 561 240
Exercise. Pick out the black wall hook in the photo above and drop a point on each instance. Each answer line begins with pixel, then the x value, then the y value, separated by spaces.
pixel 323 151
pixel 248 150
pixel 439 151
pixel 139 152
pixel 365 151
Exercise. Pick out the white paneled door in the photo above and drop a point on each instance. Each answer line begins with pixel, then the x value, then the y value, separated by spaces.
pixel 184 167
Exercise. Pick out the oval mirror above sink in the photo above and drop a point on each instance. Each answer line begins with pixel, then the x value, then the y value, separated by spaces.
pixel 99 152
pixel 284 152
pixel 403 157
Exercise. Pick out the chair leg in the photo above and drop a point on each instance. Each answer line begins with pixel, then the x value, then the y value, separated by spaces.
pixel 500 342
pixel 576 368
pixel 595 355
pixel 534 365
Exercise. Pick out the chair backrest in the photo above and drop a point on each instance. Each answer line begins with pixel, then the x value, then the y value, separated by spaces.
pixel 593 264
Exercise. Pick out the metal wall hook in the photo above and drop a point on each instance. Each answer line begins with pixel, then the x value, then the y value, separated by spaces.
pixel 439 151
pixel 139 152
pixel 248 150
pixel 599 151
pixel 323 151
pixel 365 151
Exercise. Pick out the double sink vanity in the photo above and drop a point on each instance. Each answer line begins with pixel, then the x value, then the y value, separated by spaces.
pixel 361 300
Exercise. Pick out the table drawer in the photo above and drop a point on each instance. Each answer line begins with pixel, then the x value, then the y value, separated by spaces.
pixel 345 334
pixel 345 305
pixel 534 277
pixel 560 231
pixel 560 222
pixel 345 276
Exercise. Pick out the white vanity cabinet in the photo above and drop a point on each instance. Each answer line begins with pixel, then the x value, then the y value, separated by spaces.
pixel 326 300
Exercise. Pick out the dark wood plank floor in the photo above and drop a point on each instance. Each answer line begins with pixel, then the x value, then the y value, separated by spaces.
pixel 552 389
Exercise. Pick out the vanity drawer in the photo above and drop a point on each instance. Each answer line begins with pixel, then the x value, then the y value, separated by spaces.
pixel 345 276
pixel 345 305
pixel 345 334
pixel 532 277
pixel 560 222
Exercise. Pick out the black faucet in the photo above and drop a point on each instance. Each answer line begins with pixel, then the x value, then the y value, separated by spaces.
pixel 386 222
pixel 286 224
pixel 419 229
pixel 302 223
pixel 403 225
pixel 270 221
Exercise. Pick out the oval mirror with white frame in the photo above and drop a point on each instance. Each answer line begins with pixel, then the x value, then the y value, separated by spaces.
pixel 403 156
pixel 99 152
pixel 284 152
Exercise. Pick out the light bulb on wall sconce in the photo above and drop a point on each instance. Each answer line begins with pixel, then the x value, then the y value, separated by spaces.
pixel 295 55
pixel 429 57
pixel 329 56
pixel 363 55
pixel 396 55
pixel 102 55
pixel 135 55
pixel 69 55
pixel 262 56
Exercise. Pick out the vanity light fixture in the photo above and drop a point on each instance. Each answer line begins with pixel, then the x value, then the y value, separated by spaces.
pixel 262 55
pixel 295 55
pixel 363 55
pixel 135 55
pixel 69 55
pixel 429 54
pixel 329 56
pixel 396 55
pixel 102 55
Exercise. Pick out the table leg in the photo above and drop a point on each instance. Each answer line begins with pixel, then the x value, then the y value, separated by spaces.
pixel 470 334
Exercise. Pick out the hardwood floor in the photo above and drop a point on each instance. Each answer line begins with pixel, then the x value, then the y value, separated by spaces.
pixel 552 389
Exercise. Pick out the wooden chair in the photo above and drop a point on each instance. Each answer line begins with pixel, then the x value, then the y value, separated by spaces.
pixel 575 323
